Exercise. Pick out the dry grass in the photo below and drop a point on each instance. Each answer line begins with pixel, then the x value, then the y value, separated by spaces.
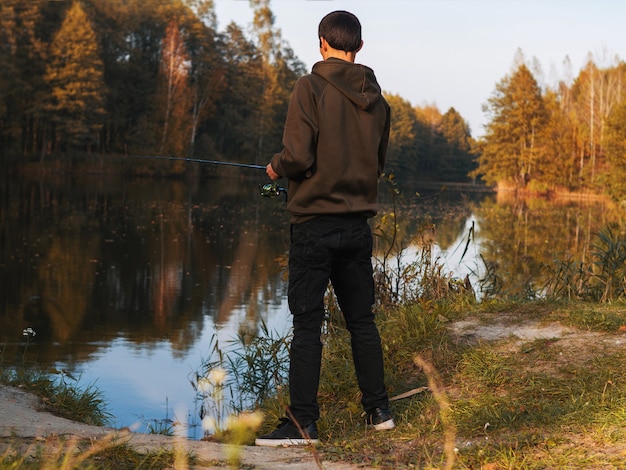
pixel 59 453
pixel 551 396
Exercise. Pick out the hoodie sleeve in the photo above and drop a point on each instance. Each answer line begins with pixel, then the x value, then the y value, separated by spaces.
pixel 384 141
pixel 297 159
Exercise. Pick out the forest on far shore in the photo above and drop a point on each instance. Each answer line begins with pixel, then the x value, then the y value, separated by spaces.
pixel 95 79
pixel 100 78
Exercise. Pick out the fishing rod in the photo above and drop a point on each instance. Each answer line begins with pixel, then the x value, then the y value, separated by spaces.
pixel 201 160
pixel 269 190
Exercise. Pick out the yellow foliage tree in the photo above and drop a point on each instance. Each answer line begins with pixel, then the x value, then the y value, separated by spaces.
pixel 75 76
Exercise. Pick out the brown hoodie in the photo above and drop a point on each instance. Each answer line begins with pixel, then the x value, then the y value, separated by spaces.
pixel 334 142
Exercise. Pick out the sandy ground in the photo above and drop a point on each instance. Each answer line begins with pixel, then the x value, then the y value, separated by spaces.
pixel 23 424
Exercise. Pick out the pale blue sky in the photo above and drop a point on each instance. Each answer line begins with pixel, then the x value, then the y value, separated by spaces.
pixel 453 52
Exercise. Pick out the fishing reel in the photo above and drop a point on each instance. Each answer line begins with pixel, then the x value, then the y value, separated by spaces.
pixel 272 190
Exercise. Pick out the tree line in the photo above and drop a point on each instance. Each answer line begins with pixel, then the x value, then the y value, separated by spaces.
pixel 102 77
pixel 137 77
pixel 568 137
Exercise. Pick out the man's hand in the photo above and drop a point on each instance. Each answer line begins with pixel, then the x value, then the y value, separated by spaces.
pixel 271 173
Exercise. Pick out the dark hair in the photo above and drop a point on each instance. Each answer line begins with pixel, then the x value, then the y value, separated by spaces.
pixel 342 31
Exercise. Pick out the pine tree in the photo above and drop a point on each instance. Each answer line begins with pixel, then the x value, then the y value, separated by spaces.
pixel 239 107
pixel 510 148
pixel 557 165
pixel 75 76
pixel 457 158
pixel 402 153
pixel 280 70
pixel 429 141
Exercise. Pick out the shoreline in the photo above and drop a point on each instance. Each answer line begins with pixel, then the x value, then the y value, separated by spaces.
pixel 25 428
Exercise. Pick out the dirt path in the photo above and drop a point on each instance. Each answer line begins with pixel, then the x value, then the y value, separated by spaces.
pixel 23 425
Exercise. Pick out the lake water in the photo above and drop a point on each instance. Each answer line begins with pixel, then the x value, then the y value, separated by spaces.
pixel 128 282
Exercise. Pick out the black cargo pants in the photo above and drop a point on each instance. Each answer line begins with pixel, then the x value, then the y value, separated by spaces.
pixel 335 248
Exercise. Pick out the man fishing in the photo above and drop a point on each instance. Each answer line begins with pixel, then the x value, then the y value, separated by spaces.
pixel 334 146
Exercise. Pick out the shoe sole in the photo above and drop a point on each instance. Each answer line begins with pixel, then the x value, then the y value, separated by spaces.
pixel 385 425
pixel 285 442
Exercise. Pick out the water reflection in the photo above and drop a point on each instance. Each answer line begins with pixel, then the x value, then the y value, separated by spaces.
pixel 127 281
pixel 519 237
pixel 158 264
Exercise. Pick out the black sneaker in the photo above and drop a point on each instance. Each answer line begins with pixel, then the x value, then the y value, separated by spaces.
pixel 288 434
pixel 381 419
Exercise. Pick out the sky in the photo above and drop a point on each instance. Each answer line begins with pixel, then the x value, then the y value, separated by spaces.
pixel 452 53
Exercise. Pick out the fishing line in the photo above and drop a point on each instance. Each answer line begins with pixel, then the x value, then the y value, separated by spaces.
pixel 269 190
pixel 201 160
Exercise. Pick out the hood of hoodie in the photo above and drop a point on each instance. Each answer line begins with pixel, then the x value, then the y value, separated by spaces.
pixel 357 82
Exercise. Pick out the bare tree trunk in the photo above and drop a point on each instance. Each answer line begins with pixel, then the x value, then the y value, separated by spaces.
pixel 592 144
pixel 168 99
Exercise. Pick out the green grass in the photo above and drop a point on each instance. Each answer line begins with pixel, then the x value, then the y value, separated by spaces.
pixel 550 402
pixel 60 395
pixel 543 403
pixel 609 318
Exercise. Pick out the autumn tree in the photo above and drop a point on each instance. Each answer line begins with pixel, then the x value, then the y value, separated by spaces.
pixel 130 39
pixel 402 154
pixel 207 72
pixel 616 150
pixel 236 119
pixel 22 55
pixel 8 44
pixel 75 77
pixel 426 145
pixel 266 37
pixel 287 68
pixel 258 79
pixel 173 94
pixel 594 93
pixel 511 144
pixel 280 69
pixel 557 162
pixel 456 154
pixel 428 140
